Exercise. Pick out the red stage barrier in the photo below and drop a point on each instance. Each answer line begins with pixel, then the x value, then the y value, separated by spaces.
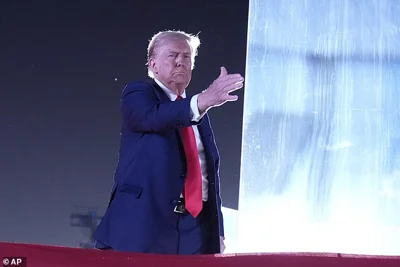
pixel 49 256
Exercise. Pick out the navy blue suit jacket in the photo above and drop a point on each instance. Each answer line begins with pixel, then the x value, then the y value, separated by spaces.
pixel 151 169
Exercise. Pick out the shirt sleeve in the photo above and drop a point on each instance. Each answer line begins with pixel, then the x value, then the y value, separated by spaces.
pixel 194 109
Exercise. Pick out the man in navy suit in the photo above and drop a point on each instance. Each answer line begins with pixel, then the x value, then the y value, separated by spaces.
pixel 166 195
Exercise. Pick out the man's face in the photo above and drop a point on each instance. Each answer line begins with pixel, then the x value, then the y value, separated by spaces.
pixel 172 65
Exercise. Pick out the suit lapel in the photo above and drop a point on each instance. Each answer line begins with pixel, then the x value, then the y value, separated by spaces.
pixel 206 136
pixel 161 95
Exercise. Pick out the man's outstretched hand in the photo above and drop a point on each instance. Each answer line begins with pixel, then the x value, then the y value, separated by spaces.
pixel 218 93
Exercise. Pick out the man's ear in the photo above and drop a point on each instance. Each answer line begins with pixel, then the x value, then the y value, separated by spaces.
pixel 152 65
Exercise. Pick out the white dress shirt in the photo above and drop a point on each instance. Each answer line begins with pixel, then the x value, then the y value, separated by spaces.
pixel 196 116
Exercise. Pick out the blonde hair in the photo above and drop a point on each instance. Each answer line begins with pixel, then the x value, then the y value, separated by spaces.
pixel 163 37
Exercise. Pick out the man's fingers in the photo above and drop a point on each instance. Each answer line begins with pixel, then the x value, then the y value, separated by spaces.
pixel 235 78
pixel 224 72
pixel 230 78
pixel 230 98
pixel 223 85
pixel 233 87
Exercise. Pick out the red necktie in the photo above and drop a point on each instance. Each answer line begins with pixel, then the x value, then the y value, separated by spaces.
pixel 193 185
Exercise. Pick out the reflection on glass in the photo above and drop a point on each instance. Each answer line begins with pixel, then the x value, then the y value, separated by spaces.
pixel 321 138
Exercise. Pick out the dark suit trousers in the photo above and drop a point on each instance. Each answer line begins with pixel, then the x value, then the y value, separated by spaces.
pixel 187 236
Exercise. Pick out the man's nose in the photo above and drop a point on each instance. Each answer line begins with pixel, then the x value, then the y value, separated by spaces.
pixel 179 60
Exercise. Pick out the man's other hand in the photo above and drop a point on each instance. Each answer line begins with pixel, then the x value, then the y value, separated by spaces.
pixel 219 91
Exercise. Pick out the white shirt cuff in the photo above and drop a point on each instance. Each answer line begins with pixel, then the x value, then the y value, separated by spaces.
pixel 194 109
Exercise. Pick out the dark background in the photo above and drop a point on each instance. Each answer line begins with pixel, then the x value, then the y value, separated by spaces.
pixel 63 65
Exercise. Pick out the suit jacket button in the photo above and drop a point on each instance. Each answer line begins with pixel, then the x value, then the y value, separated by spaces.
pixel 174 202
pixel 183 176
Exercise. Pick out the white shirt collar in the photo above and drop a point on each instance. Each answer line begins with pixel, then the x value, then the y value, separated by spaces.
pixel 169 93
